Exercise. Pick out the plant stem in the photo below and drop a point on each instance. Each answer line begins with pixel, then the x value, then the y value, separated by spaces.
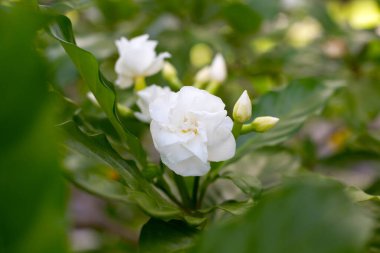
pixel 181 184
pixel 195 192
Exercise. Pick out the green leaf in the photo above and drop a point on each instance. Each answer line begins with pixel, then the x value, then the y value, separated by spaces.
pixel 359 195
pixel 32 190
pixel 268 9
pixel 304 216
pixel 169 237
pixel 135 188
pixel 103 90
pixel 248 184
pixel 242 18
pixel 294 104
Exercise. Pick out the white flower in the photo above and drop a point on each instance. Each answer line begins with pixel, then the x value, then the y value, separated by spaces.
pixel 137 58
pixel 191 128
pixel 243 108
pixel 218 69
pixel 147 96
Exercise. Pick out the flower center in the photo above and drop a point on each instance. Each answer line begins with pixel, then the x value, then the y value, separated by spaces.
pixel 189 124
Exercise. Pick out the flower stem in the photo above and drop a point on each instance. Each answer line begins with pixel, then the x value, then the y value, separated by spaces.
pixel 195 193
pixel 236 129
pixel 181 184
pixel 213 87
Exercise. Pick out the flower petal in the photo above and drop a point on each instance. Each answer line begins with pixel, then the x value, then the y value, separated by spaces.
pixel 157 64
pixel 223 150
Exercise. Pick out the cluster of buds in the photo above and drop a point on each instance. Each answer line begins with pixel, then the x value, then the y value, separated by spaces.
pixel 243 112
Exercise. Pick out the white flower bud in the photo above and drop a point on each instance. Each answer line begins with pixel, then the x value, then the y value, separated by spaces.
pixel 263 124
pixel 218 69
pixel 138 58
pixel 203 75
pixel 243 108
pixel 168 71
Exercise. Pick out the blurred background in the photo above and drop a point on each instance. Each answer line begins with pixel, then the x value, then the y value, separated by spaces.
pixel 266 45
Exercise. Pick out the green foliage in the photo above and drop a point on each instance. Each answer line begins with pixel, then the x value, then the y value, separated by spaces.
pixel 300 100
pixel 305 215
pixel 32 213
pixel 171 237
pixel 103 90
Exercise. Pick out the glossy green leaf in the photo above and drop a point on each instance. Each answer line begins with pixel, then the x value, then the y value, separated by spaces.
pixel 294 104
pixel 103 90
pixel 305 216
pixel 169 237
pixel 133 188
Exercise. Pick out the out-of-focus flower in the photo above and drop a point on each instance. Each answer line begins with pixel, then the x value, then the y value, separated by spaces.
pixel 191 128
pixel 147 96
pixel 214 73
pixel 218 69
pixel 137 58
pixel 243 108
pixel 304 32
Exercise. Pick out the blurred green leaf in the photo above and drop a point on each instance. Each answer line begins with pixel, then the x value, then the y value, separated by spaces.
pixel 304 216
pixel 242 18
pixel 103 90
pixel 300 100
pixel 170 237
pixel 32 213
pixel 248 184
pixel 268 9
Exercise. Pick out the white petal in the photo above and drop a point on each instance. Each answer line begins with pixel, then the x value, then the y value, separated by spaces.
pixel 124 81
pixel 162 136
pixel 160 108
pixel 157 64
pixel 223 150
pixel 194 99
pixel 189 167
pixel 218 69
pixel 197 147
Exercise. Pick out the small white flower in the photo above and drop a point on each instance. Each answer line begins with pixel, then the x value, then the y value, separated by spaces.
pixel 147 96
pixel 137 58
pixel 191 128
pixel 218 69
pixel 243 108
pixel 168 71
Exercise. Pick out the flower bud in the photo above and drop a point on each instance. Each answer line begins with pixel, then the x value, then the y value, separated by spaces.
pixel 218 69
pixel 168 71
pixel 243 108
pixel 203 75
pixel 263 124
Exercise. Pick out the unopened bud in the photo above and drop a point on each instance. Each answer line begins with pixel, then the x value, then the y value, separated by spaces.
pixel 243 108
pixel 263 124
pixel 203 75
pixel 218 69
pixel 168 71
